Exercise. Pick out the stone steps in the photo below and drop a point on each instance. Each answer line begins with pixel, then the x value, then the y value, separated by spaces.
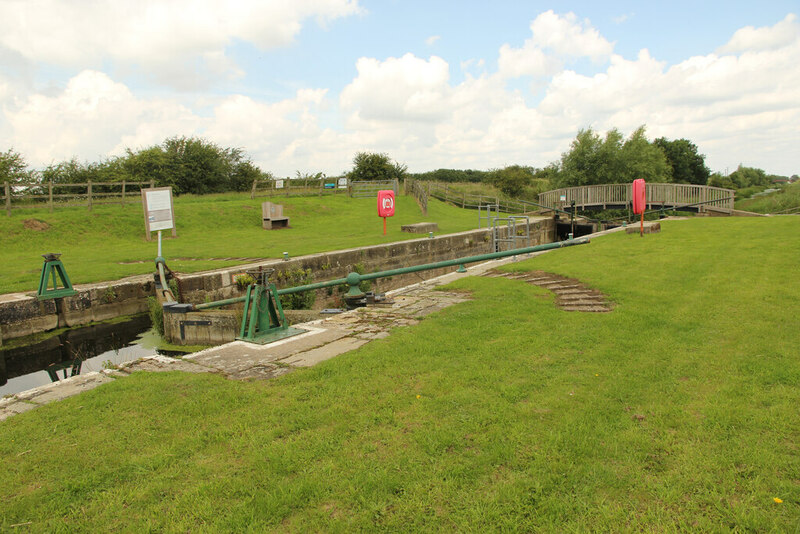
pixel 571 295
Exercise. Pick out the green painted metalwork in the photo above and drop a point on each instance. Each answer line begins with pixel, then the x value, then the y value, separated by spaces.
pixel 263 320
pixel 54 269
pixel 354 279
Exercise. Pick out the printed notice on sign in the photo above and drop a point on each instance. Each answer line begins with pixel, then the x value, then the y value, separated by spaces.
pixel 158 214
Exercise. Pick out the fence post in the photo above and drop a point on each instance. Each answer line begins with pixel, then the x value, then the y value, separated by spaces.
pixel 123 192
pixel 8 199
pixel 253 189
pixel 89 193
pixel 152 183
pixel 50 195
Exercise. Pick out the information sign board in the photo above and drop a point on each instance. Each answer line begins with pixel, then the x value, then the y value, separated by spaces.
pixel 158 210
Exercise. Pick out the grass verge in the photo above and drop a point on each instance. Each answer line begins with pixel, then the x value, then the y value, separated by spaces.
pixel 675 412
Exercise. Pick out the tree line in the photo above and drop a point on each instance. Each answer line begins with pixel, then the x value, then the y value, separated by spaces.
pixel 194 165
pixel 188 164
pixel 593 159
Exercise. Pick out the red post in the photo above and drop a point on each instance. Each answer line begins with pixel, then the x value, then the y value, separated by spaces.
pixel 639 201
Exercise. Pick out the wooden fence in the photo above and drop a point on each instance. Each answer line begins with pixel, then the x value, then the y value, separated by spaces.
pixel 371 188
pixel 422 190
pixel 18 196
pixel 297 187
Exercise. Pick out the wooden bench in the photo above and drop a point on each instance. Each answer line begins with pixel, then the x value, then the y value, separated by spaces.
pixel 272 216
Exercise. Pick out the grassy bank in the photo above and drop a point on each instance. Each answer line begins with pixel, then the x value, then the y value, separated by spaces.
pixel 109 243
pixel 678 411
pixel 787 200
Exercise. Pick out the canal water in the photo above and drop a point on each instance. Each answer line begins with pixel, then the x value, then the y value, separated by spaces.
pixel 76 351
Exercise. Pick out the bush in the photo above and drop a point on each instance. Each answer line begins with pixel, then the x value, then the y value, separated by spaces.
pixel 156 314
pixel 297 301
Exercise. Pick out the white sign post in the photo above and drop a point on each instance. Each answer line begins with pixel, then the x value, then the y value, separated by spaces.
pixel 158 212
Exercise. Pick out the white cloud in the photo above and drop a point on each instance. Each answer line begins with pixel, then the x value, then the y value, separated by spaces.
pixel 619 19
pixel 398 89
pixel 430 41
pixel 750 39
pixel 92 117
pixel 178 36
pixel 555 40
pixel 566 36
pixel 737 107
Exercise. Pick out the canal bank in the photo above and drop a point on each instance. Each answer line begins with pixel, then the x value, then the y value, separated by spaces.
pixel 22 314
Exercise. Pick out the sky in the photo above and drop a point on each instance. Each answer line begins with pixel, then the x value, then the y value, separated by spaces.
pixel 303 85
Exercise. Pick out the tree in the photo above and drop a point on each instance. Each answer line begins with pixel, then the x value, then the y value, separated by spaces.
pixel 720 180
pixel 688 167
pixel 13 168
pixel 639 158
pixel 747 176
pixel 453 175
pixel 592 160
pixel 512 180
pixel 371 166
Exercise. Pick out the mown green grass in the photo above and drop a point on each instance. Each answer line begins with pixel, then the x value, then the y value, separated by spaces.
pixel 678 411
pixel 109 242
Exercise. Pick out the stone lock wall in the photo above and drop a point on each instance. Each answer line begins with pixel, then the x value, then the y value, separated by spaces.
pixel 23 314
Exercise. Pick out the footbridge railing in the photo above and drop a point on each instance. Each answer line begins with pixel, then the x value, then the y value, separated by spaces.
pixel 699 198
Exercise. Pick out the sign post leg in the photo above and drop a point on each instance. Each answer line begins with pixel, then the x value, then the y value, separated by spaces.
pixel 641 226
pixel 384 226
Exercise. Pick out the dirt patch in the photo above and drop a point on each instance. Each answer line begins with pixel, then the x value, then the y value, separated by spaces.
pixel 571 294
pixel 35 224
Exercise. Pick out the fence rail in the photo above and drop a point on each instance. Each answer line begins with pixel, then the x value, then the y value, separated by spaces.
pixel 700 197
pixel 21 196
pixel 370 189
pixel 466 200
pixel 297 187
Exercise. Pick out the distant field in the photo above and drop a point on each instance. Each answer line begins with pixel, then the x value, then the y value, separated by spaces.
pixel 108 243
pixel 675 412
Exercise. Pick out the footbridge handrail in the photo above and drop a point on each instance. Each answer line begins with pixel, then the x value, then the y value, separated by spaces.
pixel 702 197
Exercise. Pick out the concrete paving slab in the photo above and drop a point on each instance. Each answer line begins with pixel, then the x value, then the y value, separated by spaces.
pixel 326 352
pixel 261 371
pixel 13 406
pixel 156 364
pixel 234 359
pixel 64 388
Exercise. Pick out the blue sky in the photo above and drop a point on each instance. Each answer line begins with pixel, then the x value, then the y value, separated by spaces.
pixel 303 86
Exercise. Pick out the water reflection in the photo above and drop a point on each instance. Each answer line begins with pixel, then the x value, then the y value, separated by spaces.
pixel 72 352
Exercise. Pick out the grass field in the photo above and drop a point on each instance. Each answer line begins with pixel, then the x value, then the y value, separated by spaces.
pixel 678 411
pixel 109 243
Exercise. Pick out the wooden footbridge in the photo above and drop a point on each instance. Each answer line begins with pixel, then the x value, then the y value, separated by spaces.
pixel 684 197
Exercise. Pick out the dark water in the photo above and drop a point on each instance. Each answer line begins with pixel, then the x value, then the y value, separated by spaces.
pixel 75 351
